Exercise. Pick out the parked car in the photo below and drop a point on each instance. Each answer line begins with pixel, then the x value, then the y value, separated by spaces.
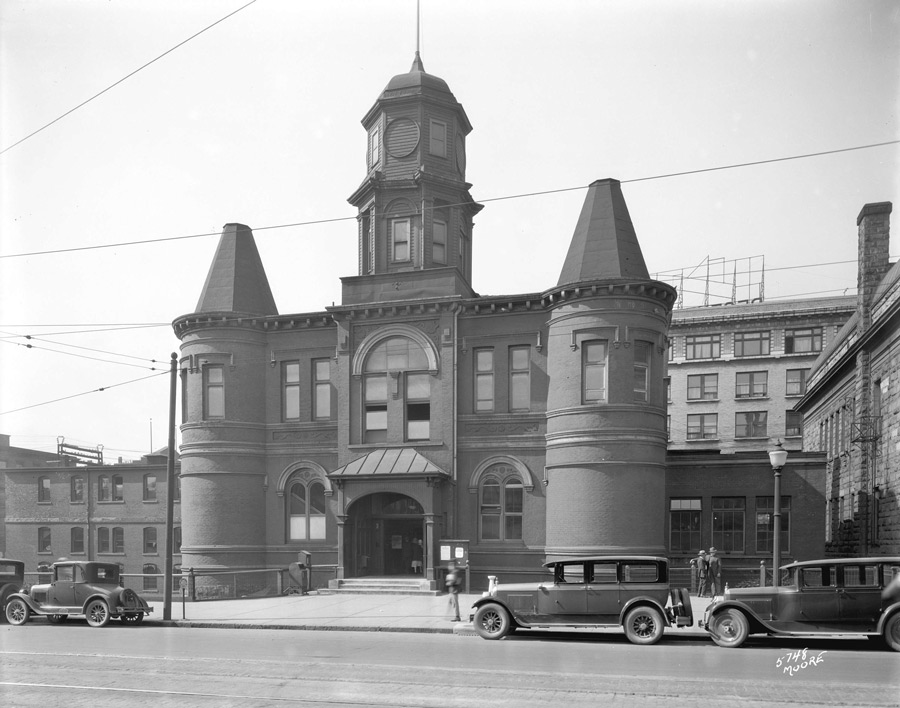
pixel 631 592
pixel 79 588
pixel 12 579
pixel 833 596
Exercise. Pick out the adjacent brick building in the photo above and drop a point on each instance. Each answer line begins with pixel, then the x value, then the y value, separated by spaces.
pixel 852 404
pixel 114 513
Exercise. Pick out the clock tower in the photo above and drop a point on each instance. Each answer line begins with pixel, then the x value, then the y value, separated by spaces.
pixel 415 210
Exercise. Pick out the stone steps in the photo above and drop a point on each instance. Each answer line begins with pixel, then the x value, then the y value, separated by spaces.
pixel 384 586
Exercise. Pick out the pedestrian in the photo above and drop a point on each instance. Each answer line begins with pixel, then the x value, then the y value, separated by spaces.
pixel 715 572
pixel 417 556
pixel 702 566
pixel 453 582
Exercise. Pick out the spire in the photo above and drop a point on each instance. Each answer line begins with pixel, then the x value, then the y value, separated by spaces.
pixel 237 281
pixel 417 64
pixel 604 245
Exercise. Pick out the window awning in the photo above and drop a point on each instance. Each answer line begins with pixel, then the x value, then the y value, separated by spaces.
pixel 390 462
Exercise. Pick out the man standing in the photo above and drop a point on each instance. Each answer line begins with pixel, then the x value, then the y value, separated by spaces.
pixel 715 572
pixel 702 566
pixel 453 582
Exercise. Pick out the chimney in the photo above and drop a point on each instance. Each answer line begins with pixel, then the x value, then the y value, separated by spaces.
pixel 874 225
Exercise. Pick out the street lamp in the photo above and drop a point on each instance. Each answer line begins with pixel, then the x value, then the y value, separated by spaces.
pixel 777 458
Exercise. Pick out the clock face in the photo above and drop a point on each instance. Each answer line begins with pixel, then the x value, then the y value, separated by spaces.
pixel 401 137
pixel 460 155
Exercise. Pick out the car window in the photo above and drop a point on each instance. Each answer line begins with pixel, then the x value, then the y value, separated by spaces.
pixel 108 574
pixel 890 573
pixel 818 577
pixel 570 573
pixel 605 573
pixel 861 575
pixel 79 574
pixel 640 573
pixel 64 573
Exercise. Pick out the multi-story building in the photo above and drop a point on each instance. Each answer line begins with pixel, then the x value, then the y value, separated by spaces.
pixel 526 427
pixel 114 513
pixel 736 370
pixel 852 404
pixel 18 458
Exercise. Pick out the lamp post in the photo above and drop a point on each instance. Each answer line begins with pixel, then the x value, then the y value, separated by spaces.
pixel 777 458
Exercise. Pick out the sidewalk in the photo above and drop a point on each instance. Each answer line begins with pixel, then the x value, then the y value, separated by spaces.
pixel 348 612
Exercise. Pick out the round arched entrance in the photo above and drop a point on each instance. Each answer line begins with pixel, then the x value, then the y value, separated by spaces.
pixel 387 536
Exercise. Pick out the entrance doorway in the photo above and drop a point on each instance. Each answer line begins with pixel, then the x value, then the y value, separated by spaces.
pixel 387 533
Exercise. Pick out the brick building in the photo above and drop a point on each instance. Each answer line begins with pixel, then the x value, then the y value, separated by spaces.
pixel 852 404
pixel 736 370
pixel 529 426
pixel 114 513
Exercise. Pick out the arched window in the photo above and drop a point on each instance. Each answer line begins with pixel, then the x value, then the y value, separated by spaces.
pixel 396 383
pixel 150 546
pixel 306 510
pixel 103 540
pixel 77 540
pixel 43 539
pixel 150 571
pixel 77 491
pixel 104 488
pixel 150 487
pixel 501 496
pixel 43 490
pixel 118 539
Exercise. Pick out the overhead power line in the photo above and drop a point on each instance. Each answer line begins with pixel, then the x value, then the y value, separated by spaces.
pixel 84 393
pixel 124 78
pixel 491 199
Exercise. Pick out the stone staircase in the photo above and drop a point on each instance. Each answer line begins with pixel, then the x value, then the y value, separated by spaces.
pixel 384 586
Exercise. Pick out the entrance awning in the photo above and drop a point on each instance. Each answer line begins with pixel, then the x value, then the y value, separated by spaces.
pixel 391 463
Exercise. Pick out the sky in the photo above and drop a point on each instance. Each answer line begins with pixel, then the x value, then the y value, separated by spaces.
pixel 110 216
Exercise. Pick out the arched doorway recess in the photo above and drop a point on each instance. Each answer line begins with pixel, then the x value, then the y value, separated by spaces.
pixel 387 536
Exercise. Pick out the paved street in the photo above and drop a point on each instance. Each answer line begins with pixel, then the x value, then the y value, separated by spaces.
pixel 77 666
pixel 232 653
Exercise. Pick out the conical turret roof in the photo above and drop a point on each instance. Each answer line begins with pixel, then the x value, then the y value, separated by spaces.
pixel 237 281
pixel 604 245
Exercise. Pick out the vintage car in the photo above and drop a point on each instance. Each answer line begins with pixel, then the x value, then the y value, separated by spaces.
pixel 848 596
pixel 631 592
pixel 12 579
pixel 79 588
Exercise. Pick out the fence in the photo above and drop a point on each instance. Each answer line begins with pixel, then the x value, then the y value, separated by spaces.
pixel 732 576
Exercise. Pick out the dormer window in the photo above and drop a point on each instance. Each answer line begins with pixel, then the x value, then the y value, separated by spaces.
pixel 374 151
pixel 439 241
pixel 438 138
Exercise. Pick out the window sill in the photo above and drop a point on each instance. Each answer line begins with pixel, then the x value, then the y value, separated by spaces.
pixel 752 398
pixel 702 440
pixel 693 401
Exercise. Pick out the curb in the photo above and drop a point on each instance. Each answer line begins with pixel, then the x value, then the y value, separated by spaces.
pixel 205 624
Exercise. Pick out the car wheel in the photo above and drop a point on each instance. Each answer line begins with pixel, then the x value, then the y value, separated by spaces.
pixel 892 631
pixel 57 619
pixel 97 613
pixel 492 621
pixel 132 618
pixel 17 611
pixel 643 625
pixel 729 628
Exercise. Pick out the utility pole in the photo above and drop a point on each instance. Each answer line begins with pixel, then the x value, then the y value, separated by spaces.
pixel 170 492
